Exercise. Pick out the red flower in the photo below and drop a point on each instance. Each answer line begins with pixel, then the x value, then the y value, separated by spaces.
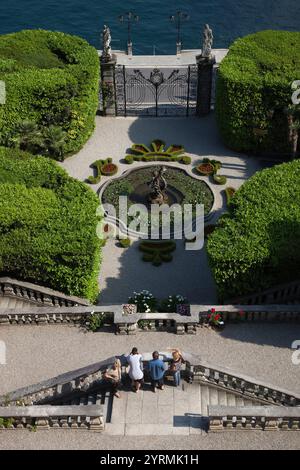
pixel 241 313
pixel 212 310
pixel 217 317
pixel 209 315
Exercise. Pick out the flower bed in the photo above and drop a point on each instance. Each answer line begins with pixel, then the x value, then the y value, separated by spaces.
pixel 103 167
pixel 157 152
pixel 205 169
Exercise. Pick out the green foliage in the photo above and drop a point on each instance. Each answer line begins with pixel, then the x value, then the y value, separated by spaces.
pixel 253 90
pixel 256 245
pixel 51 82
pixel 6 422
pixel 48 225
pixel 157 152
pixel 144 301
pixel 96 321
pixel 125 242
pixel 170 304
pixel 103 167
pixel 157 252
pixel 219 179
pixel 230 192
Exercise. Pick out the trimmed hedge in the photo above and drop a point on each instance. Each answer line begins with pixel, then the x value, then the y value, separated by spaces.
pixel 48 225
pixel 256 245
pixel 253 90
pixel 51 78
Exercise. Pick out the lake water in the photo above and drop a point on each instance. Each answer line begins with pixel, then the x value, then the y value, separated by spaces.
pixel 154 31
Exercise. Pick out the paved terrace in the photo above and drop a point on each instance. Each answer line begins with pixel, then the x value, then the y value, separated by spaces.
pixel 35 353
pixel 187 57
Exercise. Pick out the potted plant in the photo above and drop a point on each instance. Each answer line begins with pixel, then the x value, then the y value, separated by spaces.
pixel 215 319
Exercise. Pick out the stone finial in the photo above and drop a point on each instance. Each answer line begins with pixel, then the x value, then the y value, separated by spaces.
pixel 106 47
pixel 208 39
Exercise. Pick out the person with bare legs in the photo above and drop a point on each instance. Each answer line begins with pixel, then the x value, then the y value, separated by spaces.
pixel 135 369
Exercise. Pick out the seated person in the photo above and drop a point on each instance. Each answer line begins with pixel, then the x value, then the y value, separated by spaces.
pixel 113 377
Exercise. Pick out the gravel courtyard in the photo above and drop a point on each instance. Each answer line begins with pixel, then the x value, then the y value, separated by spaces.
pixel 35 353
pixel 123 271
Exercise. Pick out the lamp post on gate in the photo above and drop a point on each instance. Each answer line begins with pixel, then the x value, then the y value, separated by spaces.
pixel 130 18
pixel 178 18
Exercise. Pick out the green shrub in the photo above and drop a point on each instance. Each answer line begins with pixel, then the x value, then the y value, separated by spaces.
pixel 96 321
pixel 51 82
pixel 103 167
pixel 157 251
pixel 253 90
pixel 219 179
pixel 144 301
pixel 48 225
pixel 125 242
pixel 170 303
pixel 256 245
pixel 129 159
pixel 230 192
pixel 186 160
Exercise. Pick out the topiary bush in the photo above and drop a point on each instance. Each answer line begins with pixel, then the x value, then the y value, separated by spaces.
pixel 254 89
pixel 48 225
pixel 52 91
pixel 219 179
pixel 256 245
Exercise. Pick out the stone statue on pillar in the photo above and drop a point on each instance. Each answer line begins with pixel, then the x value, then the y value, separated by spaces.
pixel 106 40
pixel 208 39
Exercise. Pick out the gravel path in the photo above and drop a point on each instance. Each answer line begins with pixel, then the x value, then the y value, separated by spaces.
pixel 35 353
pixel 74 440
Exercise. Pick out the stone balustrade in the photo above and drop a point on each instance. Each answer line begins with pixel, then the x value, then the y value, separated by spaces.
pixel 266 418
pixel 223 377
pixel 132 323
pixel 280 294
pixel 252 313
pixel 37 295
pixel 58 388
pixel 52 417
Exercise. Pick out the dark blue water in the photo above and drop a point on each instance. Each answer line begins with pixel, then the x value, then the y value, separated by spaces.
pixel 229 18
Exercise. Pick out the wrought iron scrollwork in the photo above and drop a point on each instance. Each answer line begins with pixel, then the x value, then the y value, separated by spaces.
pixel 158 93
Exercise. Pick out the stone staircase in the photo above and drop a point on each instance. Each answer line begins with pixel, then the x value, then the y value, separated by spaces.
pixel 178 411
pixel 19 295
pixel 210 398
pixel 281 294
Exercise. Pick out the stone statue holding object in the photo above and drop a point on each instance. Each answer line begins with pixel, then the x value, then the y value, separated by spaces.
pixel 158 185
pixel 208 39
pixel 106 40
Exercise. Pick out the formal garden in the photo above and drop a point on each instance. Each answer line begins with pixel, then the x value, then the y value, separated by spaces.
pixel 48 218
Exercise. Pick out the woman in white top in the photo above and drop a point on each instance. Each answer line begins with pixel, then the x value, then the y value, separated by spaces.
pixel 135 369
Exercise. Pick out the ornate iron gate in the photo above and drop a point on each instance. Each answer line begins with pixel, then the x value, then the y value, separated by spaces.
pixel 155 92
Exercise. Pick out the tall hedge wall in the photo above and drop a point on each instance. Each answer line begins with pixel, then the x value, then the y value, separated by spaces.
pixel 51 78
pixel 254 87
pixel 257 245
pixel 47 225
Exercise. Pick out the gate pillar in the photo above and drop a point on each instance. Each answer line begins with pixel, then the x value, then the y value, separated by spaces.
pixel 204 85
pixel 108 85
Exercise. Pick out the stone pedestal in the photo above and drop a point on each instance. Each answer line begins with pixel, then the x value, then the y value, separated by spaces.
pixel 129 49
pixel 108 85
pixel 204 87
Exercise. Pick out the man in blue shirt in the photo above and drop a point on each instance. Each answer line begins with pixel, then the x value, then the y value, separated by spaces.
pixel 157 370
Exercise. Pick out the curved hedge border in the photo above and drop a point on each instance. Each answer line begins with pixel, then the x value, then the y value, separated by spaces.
pixel 256 245
pixel 254 88
pixel 48 225
pixel 51 78
pixel 157 152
